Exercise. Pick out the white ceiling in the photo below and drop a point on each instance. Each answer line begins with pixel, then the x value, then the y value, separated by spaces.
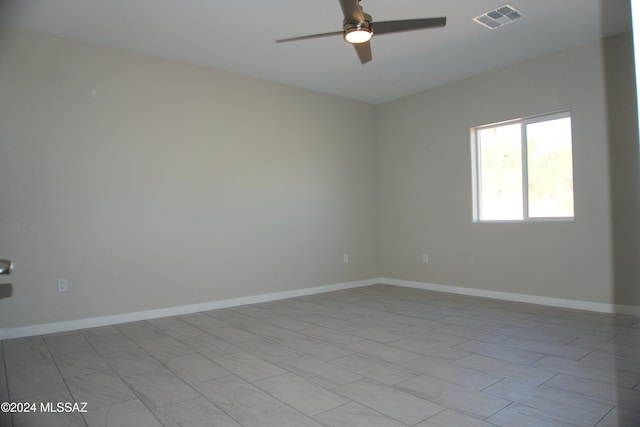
pixel 239 35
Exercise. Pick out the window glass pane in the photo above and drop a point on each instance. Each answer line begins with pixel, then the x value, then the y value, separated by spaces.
pixel 500 170
pixel 550 171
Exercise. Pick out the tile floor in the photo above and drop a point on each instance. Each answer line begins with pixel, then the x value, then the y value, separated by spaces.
pixel 374 356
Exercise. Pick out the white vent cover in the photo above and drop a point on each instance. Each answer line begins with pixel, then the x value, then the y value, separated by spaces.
pixel 499 17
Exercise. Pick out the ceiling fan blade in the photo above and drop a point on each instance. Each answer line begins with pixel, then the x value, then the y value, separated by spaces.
pixel 352 11
pixel 386 27
pixel 312 36
pixel 364 51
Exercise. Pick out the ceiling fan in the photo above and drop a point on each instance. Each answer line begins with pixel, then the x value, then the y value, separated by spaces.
pixel 358 28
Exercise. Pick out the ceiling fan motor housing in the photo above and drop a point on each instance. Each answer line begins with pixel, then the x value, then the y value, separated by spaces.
pixel 358 32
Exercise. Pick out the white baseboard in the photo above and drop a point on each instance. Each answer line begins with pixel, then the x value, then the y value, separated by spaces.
pixel 92 322
pixel 508 296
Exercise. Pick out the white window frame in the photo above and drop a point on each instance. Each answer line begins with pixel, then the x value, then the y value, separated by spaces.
pixel 477 181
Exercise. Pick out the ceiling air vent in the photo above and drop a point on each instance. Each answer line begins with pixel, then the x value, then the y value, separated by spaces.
pixel 499 17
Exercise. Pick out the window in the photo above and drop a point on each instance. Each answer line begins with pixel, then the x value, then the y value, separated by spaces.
pixel 523 169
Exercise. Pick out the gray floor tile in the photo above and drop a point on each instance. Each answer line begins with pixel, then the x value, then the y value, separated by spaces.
pixel 430 350
pixel 203 321
pixel 195 368
pixel 524 416
pixel 80 363
pixel 612 362
pixel 237 398
pixel 472 323
pixel 269 350
pixel 372 334
pixel 326 321
pixel 27 356
pixel 450 418
pixel 3 373
pixel 48 419
pixel 567 321
pixel 132 362
pixel 454 397
pixel 381 323
pixel 618 377
pixel 385 352
pixel 330 336
pixel 125 414
pixel 238 320
pixel 208 350
pixel 160 388
pixel 182 331
pixel 28 383
pixel 43 417
pixel 607 393
pixel 234 335
pixel 416 321
pixel 194 413
pixel 211 344
pixel 605 318
pixel 164 347
pixel 322 373
pixel 447 360
pixel 272 332
pixel 280 417
pixel 394 403
pixel 500 352
pixel 457 375
pixel 626 339
pixel 140 331
pixel 574 332
pixel 472 333
pixel 433 337
pixel 317 349
pixel 301 394
pixel 355 415
pixel 101 389
pixel 374 369
pixel 249 366
pixel 620 417
pixel 100 330
pixel 62 344
pixel 556 402
pixel 538 335
pixel 506 318
pixel 608 347
pixel 564 351
pixel 289 323
pixel 257 311
pixel 24 341
pixel 5 417
pixel 490 365
pixel 111 343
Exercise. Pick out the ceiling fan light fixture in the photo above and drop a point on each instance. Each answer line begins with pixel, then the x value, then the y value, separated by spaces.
pixel 360 33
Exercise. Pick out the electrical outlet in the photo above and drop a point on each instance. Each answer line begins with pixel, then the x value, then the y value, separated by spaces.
pixel 425 258
pixel 63 285
pixel 345 258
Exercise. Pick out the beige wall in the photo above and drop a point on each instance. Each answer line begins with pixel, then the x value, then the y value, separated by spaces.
pixel 425 184
pixel 150 184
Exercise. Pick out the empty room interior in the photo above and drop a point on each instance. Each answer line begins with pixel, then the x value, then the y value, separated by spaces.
pixel 209 228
